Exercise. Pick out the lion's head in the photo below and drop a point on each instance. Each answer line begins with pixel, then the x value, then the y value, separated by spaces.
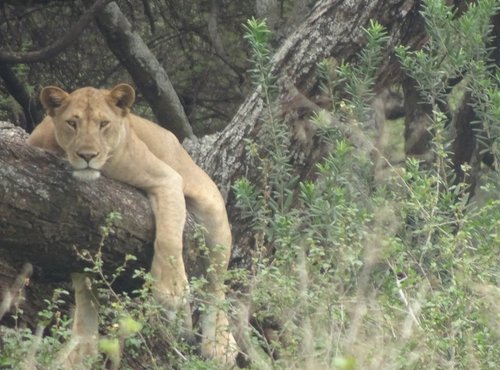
pixel 89 124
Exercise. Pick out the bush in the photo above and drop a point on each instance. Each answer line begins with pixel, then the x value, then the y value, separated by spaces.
pixel 352 273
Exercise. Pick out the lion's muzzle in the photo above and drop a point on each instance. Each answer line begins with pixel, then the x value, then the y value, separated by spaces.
pixel 86 165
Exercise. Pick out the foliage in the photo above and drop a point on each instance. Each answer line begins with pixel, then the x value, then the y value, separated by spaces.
pixel 350 273
pixel 457 49
pixel 20 348
pixel 359 79
pixel 135 330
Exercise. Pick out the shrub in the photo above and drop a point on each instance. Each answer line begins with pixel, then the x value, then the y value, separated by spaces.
pixel 350 273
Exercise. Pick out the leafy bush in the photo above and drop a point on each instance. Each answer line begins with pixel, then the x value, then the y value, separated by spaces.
pixel 350 273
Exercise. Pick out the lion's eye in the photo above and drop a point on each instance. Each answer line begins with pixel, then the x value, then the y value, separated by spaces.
pixel 104 123
pixel 71 123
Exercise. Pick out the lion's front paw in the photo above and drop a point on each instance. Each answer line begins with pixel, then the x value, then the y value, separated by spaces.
pixel 222 346
pixel 223 350
pixel 172 301
pixel 171 287
pixel 176 304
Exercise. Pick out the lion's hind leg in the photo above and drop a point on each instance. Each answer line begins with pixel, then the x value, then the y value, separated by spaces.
pixel 84 334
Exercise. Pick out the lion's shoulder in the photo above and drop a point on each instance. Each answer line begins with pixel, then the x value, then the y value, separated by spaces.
pixel 44 136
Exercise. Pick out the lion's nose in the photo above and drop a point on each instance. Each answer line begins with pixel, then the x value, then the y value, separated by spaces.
pixel 87 156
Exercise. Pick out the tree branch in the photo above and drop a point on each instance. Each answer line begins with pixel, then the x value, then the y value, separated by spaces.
pixel 148 74
pixel 45 214
pixel 31 107
pixel 57 46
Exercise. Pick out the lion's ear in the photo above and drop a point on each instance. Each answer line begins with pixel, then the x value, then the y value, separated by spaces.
pixel 52 97
pixel 123 96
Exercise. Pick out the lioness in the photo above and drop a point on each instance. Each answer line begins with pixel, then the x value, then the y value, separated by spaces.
pixel 97 133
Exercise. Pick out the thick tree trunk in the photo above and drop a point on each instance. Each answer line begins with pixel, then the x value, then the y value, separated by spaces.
pixel 46 215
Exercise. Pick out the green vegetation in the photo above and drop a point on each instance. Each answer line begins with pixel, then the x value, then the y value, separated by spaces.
pixel 457 49
pixel 353 274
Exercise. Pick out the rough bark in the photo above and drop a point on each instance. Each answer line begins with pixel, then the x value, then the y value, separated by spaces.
pixel 146 71
pixel 46 215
